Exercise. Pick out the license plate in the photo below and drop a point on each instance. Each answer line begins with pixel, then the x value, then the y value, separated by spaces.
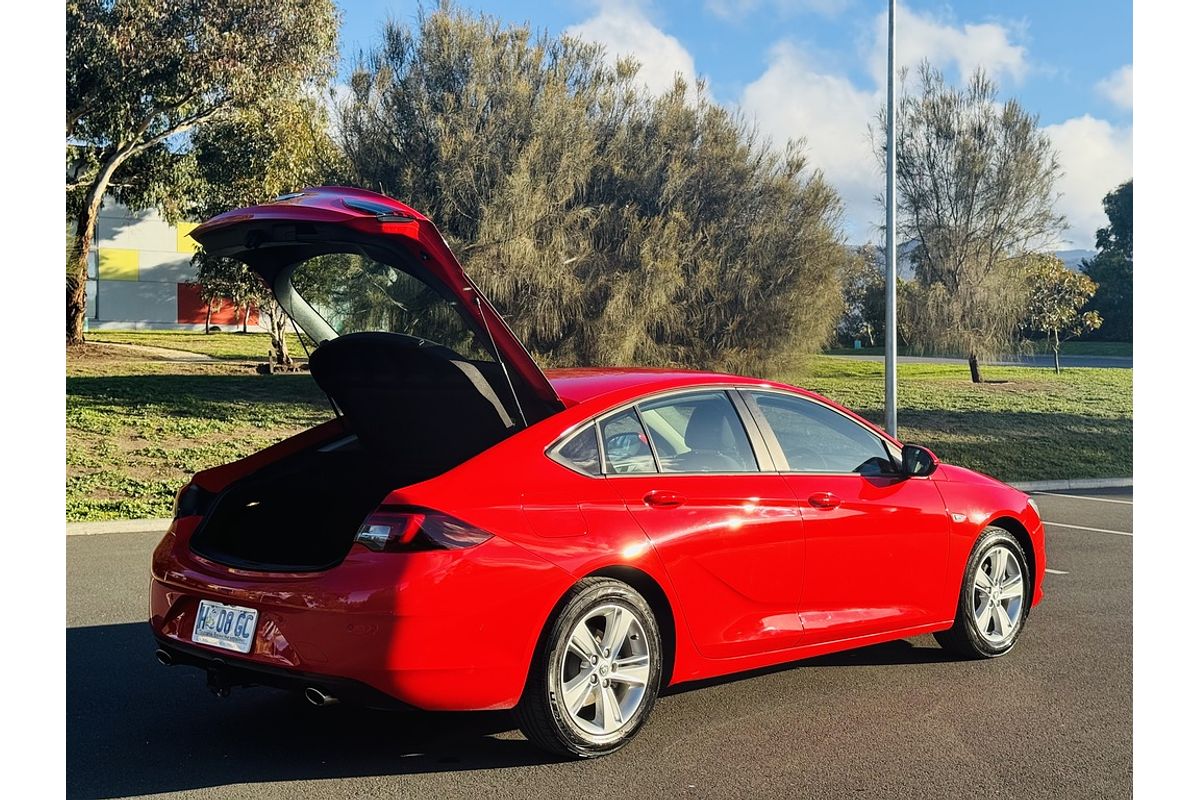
pixel 230 627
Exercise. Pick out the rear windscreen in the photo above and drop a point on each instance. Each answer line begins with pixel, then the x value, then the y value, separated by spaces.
pixel 354 294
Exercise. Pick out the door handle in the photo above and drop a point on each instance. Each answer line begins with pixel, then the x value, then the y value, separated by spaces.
pixel 824 500
pixel 661 499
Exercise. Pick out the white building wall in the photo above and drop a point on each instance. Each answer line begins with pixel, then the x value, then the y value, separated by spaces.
pixel 140 273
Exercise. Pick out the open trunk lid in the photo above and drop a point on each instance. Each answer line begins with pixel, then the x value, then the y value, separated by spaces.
pixel 273 238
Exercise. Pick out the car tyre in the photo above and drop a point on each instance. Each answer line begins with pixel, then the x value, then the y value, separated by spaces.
pixel 596 672
pixel 992 608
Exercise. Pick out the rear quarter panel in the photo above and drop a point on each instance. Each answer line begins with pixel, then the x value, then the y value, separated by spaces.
pixel 576 522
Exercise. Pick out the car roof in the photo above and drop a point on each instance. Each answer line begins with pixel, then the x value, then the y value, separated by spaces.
pixel 579 384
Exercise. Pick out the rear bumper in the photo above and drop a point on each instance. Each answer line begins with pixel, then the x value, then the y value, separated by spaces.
pixel 224 672
pixel 436 630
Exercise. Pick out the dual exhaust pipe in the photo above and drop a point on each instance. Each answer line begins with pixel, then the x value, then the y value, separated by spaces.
pixel 319 697
pixel 313 694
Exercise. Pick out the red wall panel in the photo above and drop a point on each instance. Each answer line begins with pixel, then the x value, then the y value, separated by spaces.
pixel 193 310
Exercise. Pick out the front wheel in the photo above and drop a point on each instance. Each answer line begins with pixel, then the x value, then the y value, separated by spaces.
pixel 993 601
pixel 595 675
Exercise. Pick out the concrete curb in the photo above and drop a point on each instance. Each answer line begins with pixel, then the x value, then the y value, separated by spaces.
pixel 1074 483
pixel 118 526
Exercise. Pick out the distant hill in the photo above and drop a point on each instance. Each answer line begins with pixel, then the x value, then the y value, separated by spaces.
pixel 1072 258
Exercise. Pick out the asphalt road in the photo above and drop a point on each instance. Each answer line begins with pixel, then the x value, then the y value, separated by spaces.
pixel 1052 719
pixel 1033 360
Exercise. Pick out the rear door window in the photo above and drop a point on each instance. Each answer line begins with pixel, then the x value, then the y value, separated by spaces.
pixel 697 433
pixel 626 447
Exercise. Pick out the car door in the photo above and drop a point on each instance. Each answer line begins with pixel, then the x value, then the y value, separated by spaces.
pixel 729 534
pixel 875 541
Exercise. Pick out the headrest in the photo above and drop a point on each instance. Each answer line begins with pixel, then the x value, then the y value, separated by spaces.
pixel 711 427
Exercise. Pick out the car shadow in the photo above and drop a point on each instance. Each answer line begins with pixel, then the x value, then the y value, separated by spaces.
pixel 135 727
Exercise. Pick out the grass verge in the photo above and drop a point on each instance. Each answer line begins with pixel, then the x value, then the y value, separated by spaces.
pixel 137 429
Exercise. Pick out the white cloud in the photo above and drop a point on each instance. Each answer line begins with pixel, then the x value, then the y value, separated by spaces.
pixel 794 99
pixel 736 9
pixel 1096 157
pixel 335 100
pixel 624 30
pixel 1118 87
pixel 945 44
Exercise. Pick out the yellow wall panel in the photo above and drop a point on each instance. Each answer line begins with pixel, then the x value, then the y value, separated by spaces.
pixel 183 242
pixel 118 264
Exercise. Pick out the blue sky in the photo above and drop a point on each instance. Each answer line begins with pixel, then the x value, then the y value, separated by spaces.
pixel 815 68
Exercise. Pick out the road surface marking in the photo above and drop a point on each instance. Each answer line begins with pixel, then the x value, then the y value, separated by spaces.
pixel 1093 530
pixel 1086 497
pixel 1056 571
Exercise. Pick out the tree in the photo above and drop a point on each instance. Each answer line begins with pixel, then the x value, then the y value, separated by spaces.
pixel 248 157
pixel 144 75
pixel 1057 296
pixel 975 190
pixel 608 225
pixel 1112 268
pixel 224 279
pixel 862 292
pixel 1118 234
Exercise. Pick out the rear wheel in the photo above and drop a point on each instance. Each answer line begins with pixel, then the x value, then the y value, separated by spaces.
pixel 993 600
pixel 596 673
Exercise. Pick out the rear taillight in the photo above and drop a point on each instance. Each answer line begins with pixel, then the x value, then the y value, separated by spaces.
pixel 407 530
pixel 191 500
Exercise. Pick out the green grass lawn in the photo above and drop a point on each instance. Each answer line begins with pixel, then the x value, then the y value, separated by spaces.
pixel 1024 424
pixel 227 346
pixel 138 427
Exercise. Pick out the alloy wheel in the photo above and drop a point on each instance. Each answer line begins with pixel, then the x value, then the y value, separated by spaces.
pixel 998 595
pixel 604 670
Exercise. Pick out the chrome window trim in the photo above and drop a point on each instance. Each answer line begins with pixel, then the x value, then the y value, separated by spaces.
pixel 599 421
pixel 553 452
pixel 758 444
pixel 658 470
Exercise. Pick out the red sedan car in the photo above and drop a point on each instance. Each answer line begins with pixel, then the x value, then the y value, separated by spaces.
pixel 470 532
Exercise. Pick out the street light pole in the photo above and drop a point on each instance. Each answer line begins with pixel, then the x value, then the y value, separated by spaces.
pixel 889 347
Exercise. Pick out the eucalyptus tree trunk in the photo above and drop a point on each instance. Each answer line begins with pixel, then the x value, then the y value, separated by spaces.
pixel 85 231
pixel 279 340
pixel 77 288
pixel 1057 345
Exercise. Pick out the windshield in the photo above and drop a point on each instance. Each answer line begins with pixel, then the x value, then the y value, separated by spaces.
pixel 354 293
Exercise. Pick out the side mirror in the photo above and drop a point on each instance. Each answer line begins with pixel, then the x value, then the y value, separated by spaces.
pixel 916 461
